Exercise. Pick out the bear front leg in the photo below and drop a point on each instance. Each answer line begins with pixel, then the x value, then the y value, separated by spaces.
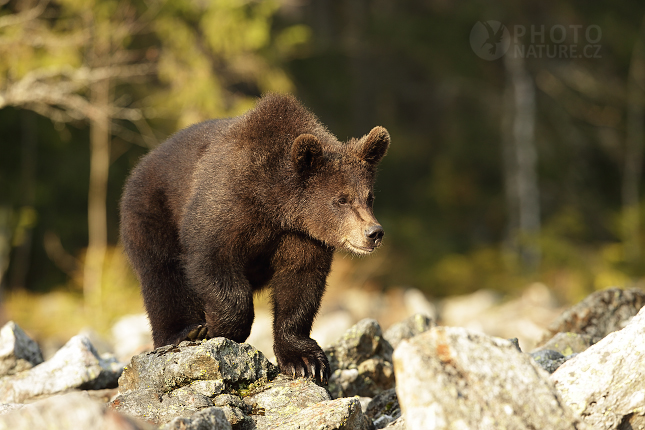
pixel 226 296
pixel 301 269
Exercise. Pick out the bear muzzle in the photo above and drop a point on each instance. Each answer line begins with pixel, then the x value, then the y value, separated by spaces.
pixel 372 238
pixel 374 235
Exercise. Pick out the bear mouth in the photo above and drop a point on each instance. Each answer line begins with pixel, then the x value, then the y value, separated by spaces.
pixel 359 249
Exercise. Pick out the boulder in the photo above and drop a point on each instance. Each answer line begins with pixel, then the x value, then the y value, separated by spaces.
pixel 282 398
pixel 414 325
pixel 567 343
pixel 451 377
pixel 398 424
pixel 68 411
pixel 605 385
pixel 548 359
pixel 18 351
pixel 177 381
pixel 599 314
pixel 339 414
pixel 75 366
pixel 206 419
pixel 361 362
pixel 384 409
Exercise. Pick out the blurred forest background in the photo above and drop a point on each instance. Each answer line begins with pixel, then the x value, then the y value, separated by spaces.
pixel 526 168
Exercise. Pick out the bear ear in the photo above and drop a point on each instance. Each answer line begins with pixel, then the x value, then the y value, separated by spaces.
pixel 372 148
pixel 306 153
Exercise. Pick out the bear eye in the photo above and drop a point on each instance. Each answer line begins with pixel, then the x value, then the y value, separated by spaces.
pixel 342 200
pixel 370 199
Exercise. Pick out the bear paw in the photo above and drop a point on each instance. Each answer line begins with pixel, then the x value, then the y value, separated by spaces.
pixel 199 332
pixel 302 358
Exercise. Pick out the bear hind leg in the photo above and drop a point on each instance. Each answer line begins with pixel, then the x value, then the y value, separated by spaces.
pixel 174 315
pixel 152 245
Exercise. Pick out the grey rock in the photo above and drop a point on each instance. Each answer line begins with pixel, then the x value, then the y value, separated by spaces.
pixel 548 360
pixel 398 424
pixel 414 325
pixel 76 365
pixel 384 409
pixel 361 362
pixel 567 343
pixel 206 419
pixel 18 351
pixel 235 411
pixel 154 407
pixel 177 381
pixel 605 385
pixel 449 377
pixel 238 419
pixel 516 343
pixel 68 411
pixel 282 398
pixel 362 341
pixel 339 414
pixel 174 366
pixel 599 314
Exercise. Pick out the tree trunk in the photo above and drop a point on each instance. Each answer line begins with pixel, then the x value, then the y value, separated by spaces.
pixel 634 151
pixel 97 218
pixel 525 179
pixel 509 161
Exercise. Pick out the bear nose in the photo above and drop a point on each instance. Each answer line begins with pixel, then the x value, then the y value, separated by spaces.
pixel 375 233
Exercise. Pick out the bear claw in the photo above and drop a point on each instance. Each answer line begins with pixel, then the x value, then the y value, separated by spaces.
pixel 198 333
pixel 313 366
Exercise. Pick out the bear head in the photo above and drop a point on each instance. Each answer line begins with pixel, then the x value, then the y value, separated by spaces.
pixel 337 182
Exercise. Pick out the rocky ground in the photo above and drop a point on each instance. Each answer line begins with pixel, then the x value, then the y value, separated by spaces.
pixel 588 372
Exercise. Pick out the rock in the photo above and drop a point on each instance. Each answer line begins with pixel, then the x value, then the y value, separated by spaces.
pixel 417 303
pixel 282 398
pixel 172 366
pixel 567 343
pixel 68 411
pixel 605 384
pixel 524 317
pixel 599 314
pixel 384 409
pixel 176 381
pixel 463 310
pixel 206 419
pixel 8 407
pixel 75 366
pixel 414 325
pixel 516 343
pixel 131 335
pixel 361 362
pixel 361 342
pixel 18 351
pixel 339 414
pixel 398 424
pixel 448 378
pixel 548 360
pixel 235 411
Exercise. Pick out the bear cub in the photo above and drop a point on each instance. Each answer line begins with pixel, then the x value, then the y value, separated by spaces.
pixel 228 207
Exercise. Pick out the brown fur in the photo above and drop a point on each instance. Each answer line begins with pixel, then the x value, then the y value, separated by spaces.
pixel 227 207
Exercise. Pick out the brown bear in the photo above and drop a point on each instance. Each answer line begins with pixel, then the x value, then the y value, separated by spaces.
pixel 227 207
